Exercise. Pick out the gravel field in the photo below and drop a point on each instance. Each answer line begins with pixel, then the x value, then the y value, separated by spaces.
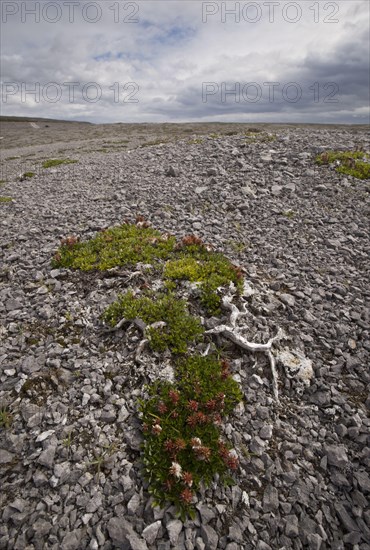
pixel 70 436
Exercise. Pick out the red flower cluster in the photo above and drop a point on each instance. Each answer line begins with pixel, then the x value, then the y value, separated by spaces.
pixel 193 405
pixel 141 221
pixel 173 447
pixel 174 396
pixel 197 418
pixel 186 496
pixel 162 407
pixel 232 462
pixel 69 242
pixel 225 369
pixel 202 452
pixel 216 419
pixel 230 458
pixel 189 240
pixel 238 271
pixel 211 404
pixel 187 479
pixel 220 398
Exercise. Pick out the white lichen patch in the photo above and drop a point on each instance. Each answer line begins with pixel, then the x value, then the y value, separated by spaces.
pixel 296 365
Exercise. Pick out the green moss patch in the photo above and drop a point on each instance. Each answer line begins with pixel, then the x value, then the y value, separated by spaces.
pixel 119 246
pixel 6 199
pixel 254 135
pixel 57 162
pixel 129 244
pixel 180 327
pixel 212 270
pixel 181 422
pixel 351 163
pixel 6 418
pixel 27 175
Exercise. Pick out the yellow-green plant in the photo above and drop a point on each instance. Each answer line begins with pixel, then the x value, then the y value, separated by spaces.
pixel 351 163
pixel 57 162
pixel 179 328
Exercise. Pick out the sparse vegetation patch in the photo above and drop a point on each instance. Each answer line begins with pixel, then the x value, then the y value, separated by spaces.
pixel 118 246
pixel 168 324
pixel 351 163
pixel 182 420
pixel 27 175
pixel 6 417
pixel 212 270
pixel 255 135
pixel 182 427
pixel 56 162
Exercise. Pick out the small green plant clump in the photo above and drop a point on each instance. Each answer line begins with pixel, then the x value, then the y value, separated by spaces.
pixel 255 135
pixel 179 327
pixel 195 141
pixel 119 246
pixel 154 143
pixel 6 417
pixel 27 175
pixel 210 269
pixel 351 163
pixel 56 162
pixel 6 199
pixel 181 423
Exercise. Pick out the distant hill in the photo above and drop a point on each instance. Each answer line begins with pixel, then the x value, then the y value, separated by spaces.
pixel 37 119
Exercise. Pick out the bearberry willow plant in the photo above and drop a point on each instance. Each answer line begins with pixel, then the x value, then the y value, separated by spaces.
pixel 179 326
pixel 182 422
pixel 183 443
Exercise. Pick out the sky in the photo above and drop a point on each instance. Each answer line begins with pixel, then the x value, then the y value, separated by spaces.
pixel 186 60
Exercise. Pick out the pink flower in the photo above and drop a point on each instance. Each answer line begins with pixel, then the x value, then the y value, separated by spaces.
pixel 187 479
pixel 174 396
pixel 202 452
pixel 186 496
pixel 162 408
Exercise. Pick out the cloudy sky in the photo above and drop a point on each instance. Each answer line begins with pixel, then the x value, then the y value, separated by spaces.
pixel 186 60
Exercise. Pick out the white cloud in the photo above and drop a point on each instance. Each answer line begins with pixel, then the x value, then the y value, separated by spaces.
pixel 177 45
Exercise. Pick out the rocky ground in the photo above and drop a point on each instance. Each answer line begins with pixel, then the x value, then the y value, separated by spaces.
pixel 70 435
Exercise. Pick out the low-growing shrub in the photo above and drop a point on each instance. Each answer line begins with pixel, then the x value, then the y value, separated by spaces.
pixel 211 269
pixel 124 245
pixel 182 428
pixel 180 327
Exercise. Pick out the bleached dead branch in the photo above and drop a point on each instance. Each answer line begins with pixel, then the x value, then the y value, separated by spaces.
pixel 233 333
